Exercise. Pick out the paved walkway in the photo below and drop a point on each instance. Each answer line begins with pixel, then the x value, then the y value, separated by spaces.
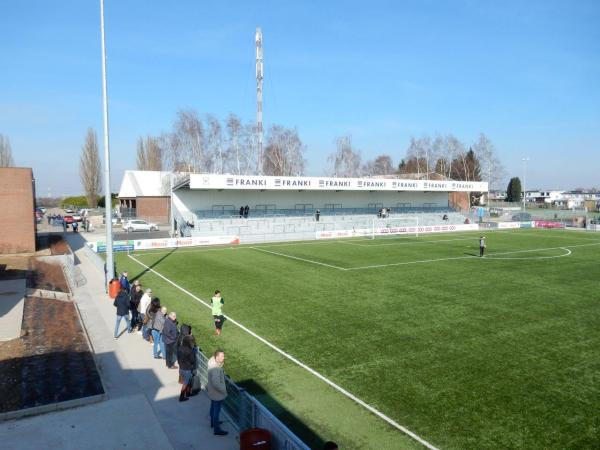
pixel 12 296
pixel 143 410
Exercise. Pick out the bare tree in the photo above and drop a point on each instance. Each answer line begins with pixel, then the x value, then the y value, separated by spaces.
pixel 187 147
pixel 491 167
pixel 89 168
pixel 6 158
pixel 214 144
pixel 149 154
pixel 345 161
pixel 284 153
pixel 141 160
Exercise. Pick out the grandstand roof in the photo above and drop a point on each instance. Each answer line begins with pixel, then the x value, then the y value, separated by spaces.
pixel 145 183
pixel 253 182
pixel 138 183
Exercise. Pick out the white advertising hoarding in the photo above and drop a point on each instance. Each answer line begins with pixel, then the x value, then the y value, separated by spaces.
pixel 395 230
pixel 149 244
pixel 212 181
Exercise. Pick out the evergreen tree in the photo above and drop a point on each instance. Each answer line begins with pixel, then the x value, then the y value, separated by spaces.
pixel 513 191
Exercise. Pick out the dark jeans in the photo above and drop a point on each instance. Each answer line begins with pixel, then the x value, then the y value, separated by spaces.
pixel 215 410
pixel 481 250
pixel 135 317
pixel 171 354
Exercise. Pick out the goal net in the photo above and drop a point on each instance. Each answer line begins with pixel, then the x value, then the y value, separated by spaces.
pixel 395 226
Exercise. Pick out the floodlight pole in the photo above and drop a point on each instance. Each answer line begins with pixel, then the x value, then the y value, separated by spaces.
pixel 110 274
pixel 524 177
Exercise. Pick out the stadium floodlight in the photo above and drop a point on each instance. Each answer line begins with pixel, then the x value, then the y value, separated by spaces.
pixel 107 195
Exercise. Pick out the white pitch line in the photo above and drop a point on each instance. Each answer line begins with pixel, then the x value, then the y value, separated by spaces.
pixel 473 238
pixel 299 259
pixel 338 388
pixel 405 263
pixel 568 253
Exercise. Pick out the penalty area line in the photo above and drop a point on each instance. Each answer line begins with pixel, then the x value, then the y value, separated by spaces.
pixel 338 388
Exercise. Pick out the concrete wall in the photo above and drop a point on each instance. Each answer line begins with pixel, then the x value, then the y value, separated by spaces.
pixel 17 200
pixel 153 209
pixel 205 199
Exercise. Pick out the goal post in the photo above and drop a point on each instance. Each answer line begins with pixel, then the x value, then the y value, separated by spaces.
pixel 395 226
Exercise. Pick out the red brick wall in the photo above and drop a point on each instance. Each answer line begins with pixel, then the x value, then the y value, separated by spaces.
pixel 153 209
pixel 17 200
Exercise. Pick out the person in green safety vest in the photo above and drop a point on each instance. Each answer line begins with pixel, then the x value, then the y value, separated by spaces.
pixel 217 311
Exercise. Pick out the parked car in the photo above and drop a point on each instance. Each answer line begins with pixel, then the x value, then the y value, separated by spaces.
pixel 77 217
pixel 68 219
pixel 41 209
pixel 521 217
pixel 69 211
pixel 139 225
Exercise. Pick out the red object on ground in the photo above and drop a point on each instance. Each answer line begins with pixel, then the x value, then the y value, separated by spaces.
pixel 255 439
pixel 113 288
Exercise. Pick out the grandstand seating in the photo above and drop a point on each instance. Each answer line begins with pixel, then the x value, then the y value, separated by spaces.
pixel 226 211
pixel 278 228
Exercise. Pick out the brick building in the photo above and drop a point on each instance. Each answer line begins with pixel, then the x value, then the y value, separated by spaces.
pixel 17 197
pixel 146 195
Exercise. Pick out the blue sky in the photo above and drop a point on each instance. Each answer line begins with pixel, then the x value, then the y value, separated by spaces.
pixel 524 73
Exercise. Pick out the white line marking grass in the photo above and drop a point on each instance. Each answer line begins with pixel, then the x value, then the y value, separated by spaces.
pixel 567 252
pixel 299 363
pixel 299 259
pixel 490 255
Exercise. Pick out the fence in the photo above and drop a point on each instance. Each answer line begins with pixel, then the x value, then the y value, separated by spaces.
pixel 247 412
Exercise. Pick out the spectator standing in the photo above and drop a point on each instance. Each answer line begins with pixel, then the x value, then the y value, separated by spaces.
pixel 170 339
pixel 143 311
pixel 122 304
pixel 74 225
pixel 186 356
pixel 246 211
pixel 216 390
pixel 124 281
pixel 217 311
pixel 134 302
pixel 241 212
pixel 157 323
pixel 317 215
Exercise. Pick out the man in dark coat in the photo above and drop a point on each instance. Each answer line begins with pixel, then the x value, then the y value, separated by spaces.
pixel 170 337
pixel 246 211
pixel 122 305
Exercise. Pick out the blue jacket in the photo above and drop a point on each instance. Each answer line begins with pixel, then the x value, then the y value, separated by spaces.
pixel 125 283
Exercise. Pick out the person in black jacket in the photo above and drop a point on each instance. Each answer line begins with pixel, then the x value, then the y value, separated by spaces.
pixel 135 296
pixel 170 337
pixel 122 304
pixel 186 356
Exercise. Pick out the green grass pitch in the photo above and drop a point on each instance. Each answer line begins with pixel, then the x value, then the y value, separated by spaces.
pixel 466 352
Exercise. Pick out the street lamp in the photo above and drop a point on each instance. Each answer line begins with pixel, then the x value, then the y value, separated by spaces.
pixel 524 177
pixel 107 195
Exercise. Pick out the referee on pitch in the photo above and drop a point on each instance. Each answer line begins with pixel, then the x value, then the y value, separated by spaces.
pixel 481 245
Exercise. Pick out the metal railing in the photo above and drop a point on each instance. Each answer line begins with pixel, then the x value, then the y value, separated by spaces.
pixel 247 412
